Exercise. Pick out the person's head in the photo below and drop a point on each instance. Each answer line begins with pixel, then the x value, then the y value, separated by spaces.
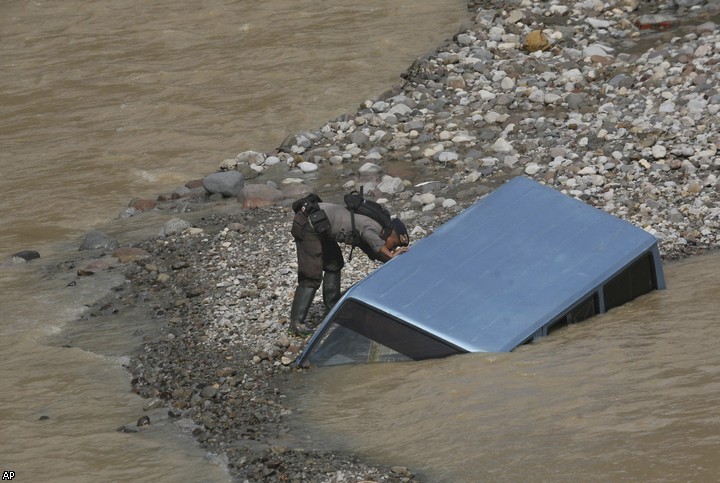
pixel 398 236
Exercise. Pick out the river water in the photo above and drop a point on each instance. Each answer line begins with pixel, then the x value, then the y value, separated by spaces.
pixel 104 101
pixel 631 395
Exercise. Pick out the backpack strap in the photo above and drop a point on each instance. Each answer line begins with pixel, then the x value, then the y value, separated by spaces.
pixel 354 235
pixel 352 206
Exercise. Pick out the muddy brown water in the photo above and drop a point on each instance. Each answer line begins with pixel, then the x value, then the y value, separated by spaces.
pixel 104 101
pixel 631 395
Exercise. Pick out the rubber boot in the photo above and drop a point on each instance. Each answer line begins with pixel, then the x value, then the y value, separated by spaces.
pixel 301 305
pixel 331 289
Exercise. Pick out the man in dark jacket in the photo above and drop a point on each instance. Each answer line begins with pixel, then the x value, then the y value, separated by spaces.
pixel 318 253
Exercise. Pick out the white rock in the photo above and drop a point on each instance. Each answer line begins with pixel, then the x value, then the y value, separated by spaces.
pixel 697 105
pixel 379 106
pixel 507 84
pixel 486 95
pixel 492 117
pixel 473 176
pixel 408 215
pixel 659 151
pixel 463 138
pixel 502 146
pixel 597 180
pixel 250 157
pixel 551 98
pixel 399 110
pixel 307 167
pixel 418 232
pixel 515 16
pixel 572 75
pixel 598 23
pixel 449 203
pixel 667 106
pixel 495 33
pixel 433 150
pixel 427 198
pixel 532 168
pixel 369 168
pixel 228 164
pixel 508 161
pixel 447 156
pixel 597 49
pixel 391 185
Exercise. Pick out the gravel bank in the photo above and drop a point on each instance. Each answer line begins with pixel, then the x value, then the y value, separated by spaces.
pixel 564 92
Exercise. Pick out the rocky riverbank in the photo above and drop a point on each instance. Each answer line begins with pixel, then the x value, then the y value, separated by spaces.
pixel 612 102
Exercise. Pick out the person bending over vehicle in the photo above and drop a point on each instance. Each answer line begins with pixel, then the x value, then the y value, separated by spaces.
pixel 318 228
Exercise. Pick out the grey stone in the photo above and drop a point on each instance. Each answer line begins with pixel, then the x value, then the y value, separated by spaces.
pixel 621 80
pixel 98 240
pixel 208 392
pixel 391 185
pixel 26 255
pixel 226 183
pixel 360 138
pixel 174 226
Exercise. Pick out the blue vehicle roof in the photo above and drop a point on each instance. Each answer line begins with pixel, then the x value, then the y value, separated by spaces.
pixel 495 274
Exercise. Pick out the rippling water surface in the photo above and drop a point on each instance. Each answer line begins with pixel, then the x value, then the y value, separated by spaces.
pixel 103 101
pixel 631 395
pixel 108 100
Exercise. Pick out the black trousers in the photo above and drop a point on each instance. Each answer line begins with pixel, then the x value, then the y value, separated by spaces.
pixel 315 253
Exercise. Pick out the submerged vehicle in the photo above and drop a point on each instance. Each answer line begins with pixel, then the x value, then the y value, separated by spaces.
pixel 518 262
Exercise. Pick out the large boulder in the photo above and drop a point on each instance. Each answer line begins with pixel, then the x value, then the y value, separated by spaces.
pixel 226 183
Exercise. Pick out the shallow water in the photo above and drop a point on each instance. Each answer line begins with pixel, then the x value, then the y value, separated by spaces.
pixel 104 101
pixel 630 395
